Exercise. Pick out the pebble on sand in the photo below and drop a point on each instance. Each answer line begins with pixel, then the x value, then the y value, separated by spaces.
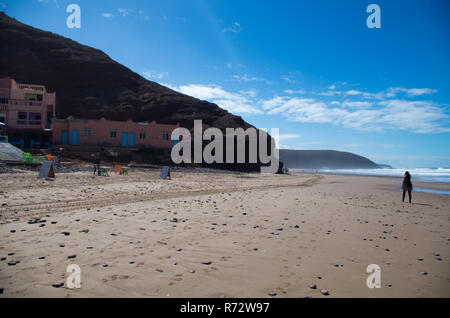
pixel 72 256
pixel 272 293
pixel 325 292
pixel 207 263
pixel 423 273
pixel 58 284
pixel 313 286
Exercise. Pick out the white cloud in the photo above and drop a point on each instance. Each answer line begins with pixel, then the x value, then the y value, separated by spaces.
pixel 292 92
pixel 251 92
pixel 233 102
pixel 154 75
pixel 107 15
pixel 358 104
pixel 235 28
pixel 411 92
pixel 288 79
pixel 413 116
pixel 125 12
pixel 246 78
pixel 289 136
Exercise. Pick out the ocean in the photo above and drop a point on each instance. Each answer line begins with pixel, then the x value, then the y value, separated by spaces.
pixel 417 174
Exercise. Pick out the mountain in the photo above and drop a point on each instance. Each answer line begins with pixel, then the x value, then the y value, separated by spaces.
pixel 324 159
pixel 89 84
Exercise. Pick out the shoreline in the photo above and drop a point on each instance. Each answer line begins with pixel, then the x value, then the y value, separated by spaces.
pixel 435 185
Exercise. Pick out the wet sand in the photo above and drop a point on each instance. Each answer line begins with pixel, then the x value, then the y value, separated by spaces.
pixel 210 234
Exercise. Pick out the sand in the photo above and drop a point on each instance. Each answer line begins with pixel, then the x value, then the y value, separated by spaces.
pixel 255 234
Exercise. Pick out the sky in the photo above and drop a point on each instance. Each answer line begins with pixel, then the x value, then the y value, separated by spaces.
pixel 313 69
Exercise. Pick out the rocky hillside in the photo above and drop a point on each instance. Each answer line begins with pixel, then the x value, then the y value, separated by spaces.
pixel 89 84
pixel 325 159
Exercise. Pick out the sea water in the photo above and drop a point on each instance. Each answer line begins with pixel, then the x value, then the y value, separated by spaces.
pixel 417 174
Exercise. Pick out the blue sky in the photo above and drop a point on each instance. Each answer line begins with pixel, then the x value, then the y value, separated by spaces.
pixel 313 69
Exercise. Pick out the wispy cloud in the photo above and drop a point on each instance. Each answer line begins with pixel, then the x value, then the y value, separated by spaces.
pixel 247 78
pixel 125 12
pixel 289 136
pixel 107 15
pixel 154 75
pixel 235 28
pixel 292 92
pixel 233 102
pixel 288 79
pixel 395 114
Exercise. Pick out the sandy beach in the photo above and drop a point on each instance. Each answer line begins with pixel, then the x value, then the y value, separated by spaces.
pixel 214 234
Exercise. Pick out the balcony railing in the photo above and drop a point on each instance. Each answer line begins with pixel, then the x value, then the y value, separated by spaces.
pixel 28 122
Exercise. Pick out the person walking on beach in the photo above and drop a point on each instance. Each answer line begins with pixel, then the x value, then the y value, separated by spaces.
pixel 407 186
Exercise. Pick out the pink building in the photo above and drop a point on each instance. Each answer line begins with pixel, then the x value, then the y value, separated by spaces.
pixel 27 111
pixel 111 133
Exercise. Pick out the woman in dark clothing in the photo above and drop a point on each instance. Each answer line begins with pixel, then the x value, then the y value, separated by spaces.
pixel 407 186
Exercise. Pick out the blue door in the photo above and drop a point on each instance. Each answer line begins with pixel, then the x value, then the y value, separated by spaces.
pixel 64 137
pixel 74 137
pixel 124 139
pixel 174 140
pixel 131 139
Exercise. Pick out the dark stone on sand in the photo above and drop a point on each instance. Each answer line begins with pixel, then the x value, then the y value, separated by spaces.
pixel 314 286
pixel 1 291
pixel 85 231
pixel 131 262
pixel 420 259
pixel 42 225
pixel 174 220
pixel 12 263
pixel 105 265
pixel 11 254
pixel 272 293
pixel 54 222
pixel 41 257
pixel 325 292
pixel 13 231
pixel 439 259
pixel 207 263
pixel 72 256
pixel 336 265
pixel 66 233
pixel 423 273
pixel 58 284
pixel 2 259
pixel 114 234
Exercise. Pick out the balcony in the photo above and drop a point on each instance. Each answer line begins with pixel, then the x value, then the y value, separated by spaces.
pixel 28 122
pixel 24 123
